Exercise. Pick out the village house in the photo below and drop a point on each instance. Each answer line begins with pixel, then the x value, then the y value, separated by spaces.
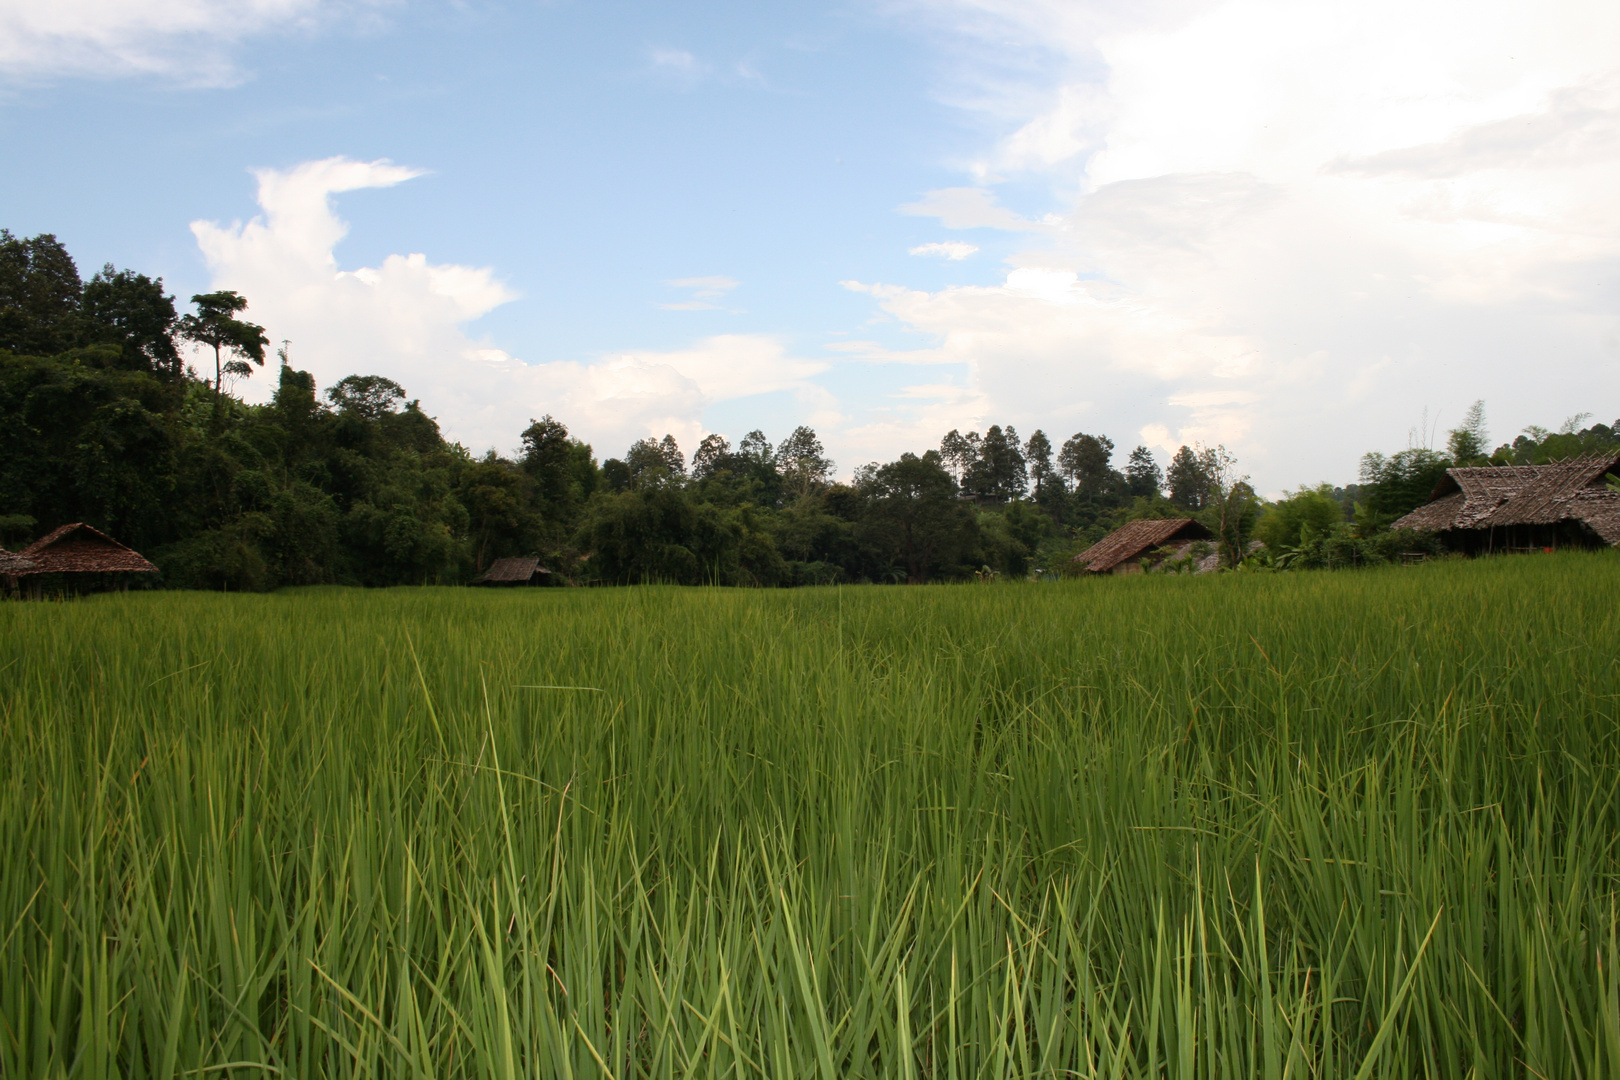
pixel 11 565
pixel 1494 508
pixel 1156 540
pixel 79 558
pixel 519 570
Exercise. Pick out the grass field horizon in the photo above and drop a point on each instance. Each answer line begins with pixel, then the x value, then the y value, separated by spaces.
pixel 1346 824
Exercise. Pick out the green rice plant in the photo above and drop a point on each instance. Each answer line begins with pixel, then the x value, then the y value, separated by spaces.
pixel 1310 825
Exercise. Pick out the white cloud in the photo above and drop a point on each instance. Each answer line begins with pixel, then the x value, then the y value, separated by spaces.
pixel 1290 226
pixel 950 249
pixel 678 65
pixel 705 290
pixel 187 39
pixel 968 208
pixel 405 319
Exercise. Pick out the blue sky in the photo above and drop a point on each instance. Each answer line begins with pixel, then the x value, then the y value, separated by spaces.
pixel 1285 227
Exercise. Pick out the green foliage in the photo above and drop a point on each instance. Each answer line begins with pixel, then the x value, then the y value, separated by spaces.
pixel 1297 519
pixel 1467 442
pixel 237 344
pixel 354 483
pixel 1189 479
pixel 914 521
pixel 1538 446
pixel 660 533
pixel 997 472
pixel 1085 462
pixel 1143 477
pixel 803 463
pixel 1045 480
pixel 369 397
pixel 1342 546
pixel 1011 537
pixel 1357 825
pixel 39 296
pixel 1394 486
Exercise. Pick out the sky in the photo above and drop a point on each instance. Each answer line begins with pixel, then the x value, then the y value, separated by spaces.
pixel 1301 230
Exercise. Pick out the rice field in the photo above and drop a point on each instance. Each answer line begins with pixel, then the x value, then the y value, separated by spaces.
pixel 1321 825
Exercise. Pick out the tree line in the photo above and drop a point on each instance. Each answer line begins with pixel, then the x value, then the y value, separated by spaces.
pixel 353 483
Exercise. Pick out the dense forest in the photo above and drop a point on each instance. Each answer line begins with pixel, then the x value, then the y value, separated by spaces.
pixel 104 422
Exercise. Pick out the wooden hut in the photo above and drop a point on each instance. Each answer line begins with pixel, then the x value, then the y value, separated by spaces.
pixel 519 570
pixel 1122 551
pixel 12 565
pixel 85 559
pixel 1493 508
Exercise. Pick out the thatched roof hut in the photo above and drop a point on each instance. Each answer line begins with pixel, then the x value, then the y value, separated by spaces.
pixel 80 549
pixel 519 570
pixel 1507 507
pixel 1120 551
pixel 12 564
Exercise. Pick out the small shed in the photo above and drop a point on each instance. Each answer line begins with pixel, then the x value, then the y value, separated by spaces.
pixel 1491 508
pixel 85 556
pixel 517 570
pixel 1121 551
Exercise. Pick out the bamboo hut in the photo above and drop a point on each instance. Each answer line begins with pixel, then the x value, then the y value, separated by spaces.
pixel 81 559
pixel 1493 508
pixel 519 570
pixel 1122 551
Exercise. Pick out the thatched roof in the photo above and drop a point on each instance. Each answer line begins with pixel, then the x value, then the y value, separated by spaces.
pixel 11 564
pixel 1492 496
pixel 1133 539
pixel 80 549
pixel 520 570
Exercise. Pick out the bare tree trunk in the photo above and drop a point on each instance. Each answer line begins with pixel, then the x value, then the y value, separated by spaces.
pixel 219 389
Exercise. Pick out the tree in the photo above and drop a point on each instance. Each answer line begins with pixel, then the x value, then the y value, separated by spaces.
pixel 215 326
pixel 1143 478
pixel 563 470
pixel 1395 485
pixel 1045 477
pixel 651 461
pixel 492 491
pixel 958 453
pixel 1231 500
pixel 757 447
pixel 40 294
pixel 1305 515
pixel 914 515
pixel 1084 460
pixel 130 310
pixel 1537 446
pixel 673 461
pixel 803 462
pixel 370 397
pixel 1469 441
pixel 709 456
pixel 1189 480
pixel 645 460
pixel 999 472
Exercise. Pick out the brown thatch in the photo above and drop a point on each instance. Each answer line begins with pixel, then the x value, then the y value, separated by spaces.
pixel 520 570
pixel 1534 504
pixel 80 549
pixel 1118 551
pixel 11 565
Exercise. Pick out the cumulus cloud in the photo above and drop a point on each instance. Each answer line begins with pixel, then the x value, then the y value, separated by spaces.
pixel 407 319
pixel 187 39
pixel 953 250
pixel 1290 227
